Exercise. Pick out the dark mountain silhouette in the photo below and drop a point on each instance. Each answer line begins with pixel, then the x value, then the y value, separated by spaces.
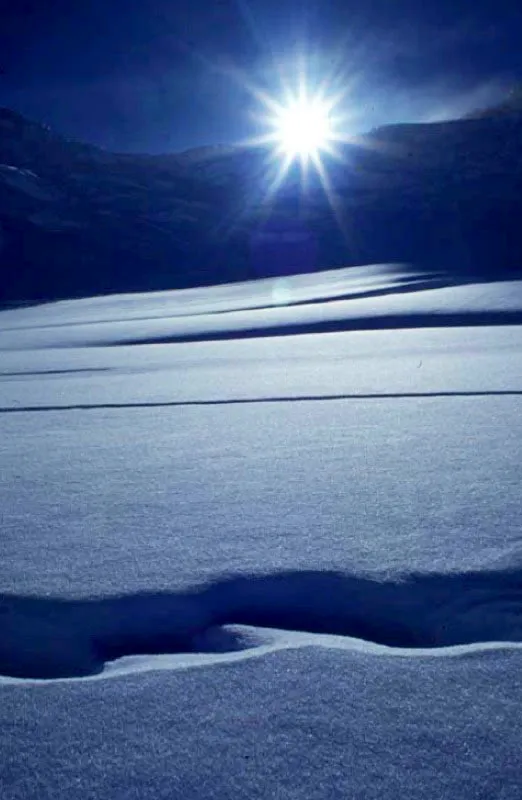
pixel 509 106
pixel 77 220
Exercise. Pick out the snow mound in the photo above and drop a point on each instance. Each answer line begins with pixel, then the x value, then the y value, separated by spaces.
pixel 45 638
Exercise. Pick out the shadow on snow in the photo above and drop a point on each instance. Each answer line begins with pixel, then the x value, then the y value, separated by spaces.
pixel 52 637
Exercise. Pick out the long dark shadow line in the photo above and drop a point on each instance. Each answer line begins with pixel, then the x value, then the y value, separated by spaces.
pixel 254 400
pixel 33 373
pixel 472 319
pixel 384 322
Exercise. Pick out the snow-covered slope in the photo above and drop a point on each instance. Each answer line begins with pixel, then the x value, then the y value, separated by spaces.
pixel 373 297
pixel 357 492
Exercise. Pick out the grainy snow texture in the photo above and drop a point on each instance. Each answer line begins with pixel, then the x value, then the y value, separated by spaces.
pixel 272 567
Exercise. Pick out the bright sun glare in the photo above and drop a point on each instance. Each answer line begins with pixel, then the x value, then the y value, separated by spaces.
pixel 306 122
pixel 303 128
pixel 301 125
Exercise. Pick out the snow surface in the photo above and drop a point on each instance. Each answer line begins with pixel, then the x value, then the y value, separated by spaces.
pixel 382 296
pixel 346 504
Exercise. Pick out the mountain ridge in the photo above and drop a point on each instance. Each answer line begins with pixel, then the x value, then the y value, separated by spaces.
pixel 77 220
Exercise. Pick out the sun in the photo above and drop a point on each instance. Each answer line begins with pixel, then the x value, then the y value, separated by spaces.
pixel 303 128
pixel 301 125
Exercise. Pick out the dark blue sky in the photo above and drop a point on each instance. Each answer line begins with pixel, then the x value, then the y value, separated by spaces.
pixel 153 75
